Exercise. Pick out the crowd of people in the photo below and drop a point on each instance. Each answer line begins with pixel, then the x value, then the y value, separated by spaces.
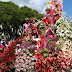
pixel 32 33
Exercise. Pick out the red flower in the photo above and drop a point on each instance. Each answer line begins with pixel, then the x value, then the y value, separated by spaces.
pixel 41 57
pixel 53 2
pixel 39 52
pixel 55 54
pixel 26 30
pixel 50 59
pixel 40 62
pixel 57 71
pixel 55 58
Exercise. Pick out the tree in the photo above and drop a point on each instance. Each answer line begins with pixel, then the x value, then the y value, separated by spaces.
pixel 13 16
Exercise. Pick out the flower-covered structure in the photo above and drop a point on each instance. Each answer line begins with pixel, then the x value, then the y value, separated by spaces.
pixel 46 44
pixel 63 28
pixel 47 61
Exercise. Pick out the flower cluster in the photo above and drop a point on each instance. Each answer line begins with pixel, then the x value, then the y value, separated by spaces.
pixel 47 61
pixel 26 61
pixel 7 58
pixel 63 27
pixel 66 47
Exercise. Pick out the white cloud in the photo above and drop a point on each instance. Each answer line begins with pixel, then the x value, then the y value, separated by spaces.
pixel 39 5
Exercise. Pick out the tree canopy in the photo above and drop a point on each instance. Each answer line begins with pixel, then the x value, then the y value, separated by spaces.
pixel 12 15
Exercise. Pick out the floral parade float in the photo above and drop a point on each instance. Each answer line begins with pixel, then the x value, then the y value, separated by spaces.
pixel 45 44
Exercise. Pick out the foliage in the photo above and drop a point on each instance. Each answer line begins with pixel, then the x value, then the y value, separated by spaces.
pixel 12 15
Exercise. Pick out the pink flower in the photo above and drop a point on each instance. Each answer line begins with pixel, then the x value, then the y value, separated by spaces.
pixel 57 71
pixel 63 70
pixel 62 63
pixel 50 36
pixel 64 66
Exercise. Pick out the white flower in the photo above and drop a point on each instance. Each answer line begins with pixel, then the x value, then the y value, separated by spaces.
pixel 67 31
pixel 35 50
pixel 28 57
pixel 25 58
pixel 18 69
pixel 32 58
pixel 68 35
pixel 29 67
pixel 33 63
pixel 27 50
pixel 17 61
pixel 30 54
pixel 24 70
pixel 32 67
pixel 35 58
pixel 57 42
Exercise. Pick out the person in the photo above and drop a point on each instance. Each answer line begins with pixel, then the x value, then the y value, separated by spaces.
pixel 26 25
pixel 5 40
pixel 11 41
pixel 33 22
pixel 6 44
pixel 0 42
pixel 3 46
pixel 37 40
pixel 33 25
pixel 36 37
pixel 18 49
pixel 29 36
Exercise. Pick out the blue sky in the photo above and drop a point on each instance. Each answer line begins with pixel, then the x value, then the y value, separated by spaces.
pixel 67 7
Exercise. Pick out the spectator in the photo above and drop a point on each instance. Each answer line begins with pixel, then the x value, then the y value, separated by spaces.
pixel 26 25
pixel 18 49
pixel 7 44
pixel 0 42
pixel 11 41
pixel 3 46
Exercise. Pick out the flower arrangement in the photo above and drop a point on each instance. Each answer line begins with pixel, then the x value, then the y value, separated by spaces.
pixel 47 61
pixel 7 58
pixel 64 31
pixel 53 56
pixel 26 61
pixel 63 27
